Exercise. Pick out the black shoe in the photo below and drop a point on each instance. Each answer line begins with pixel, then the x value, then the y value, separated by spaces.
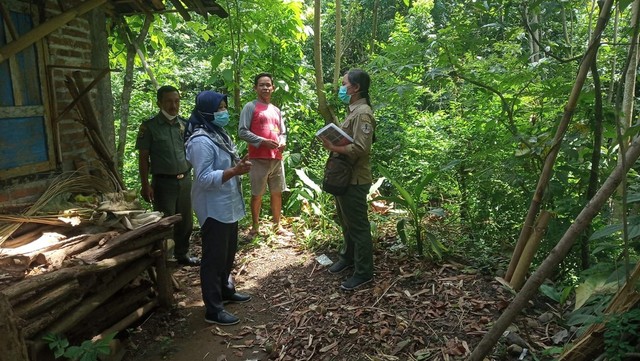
pixel 237 298
pixel 339 266
pixel 188 261
pixel 222 318
pixel 354 282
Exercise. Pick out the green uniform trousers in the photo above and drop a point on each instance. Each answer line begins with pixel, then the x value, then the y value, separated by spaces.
pixel 357 247
pixel 173 196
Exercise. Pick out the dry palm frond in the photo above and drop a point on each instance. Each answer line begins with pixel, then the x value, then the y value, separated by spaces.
pixel 70 182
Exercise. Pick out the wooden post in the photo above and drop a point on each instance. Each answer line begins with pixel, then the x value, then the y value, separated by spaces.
pixel 163 277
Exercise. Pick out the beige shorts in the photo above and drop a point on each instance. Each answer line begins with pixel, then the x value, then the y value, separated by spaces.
pixel 267 171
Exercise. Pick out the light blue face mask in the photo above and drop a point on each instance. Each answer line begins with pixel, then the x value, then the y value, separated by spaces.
pixel 221 119
pixel 342 94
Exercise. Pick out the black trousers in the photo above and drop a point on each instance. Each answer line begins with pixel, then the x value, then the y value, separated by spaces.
pixel 219 246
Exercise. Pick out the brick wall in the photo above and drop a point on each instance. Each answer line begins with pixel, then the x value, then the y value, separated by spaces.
pixel 73 45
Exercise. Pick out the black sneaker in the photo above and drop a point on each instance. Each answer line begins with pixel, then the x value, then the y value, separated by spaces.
pixel 339 266
pixel 222 318
pixel 237 298
pixel 188 261
pixel 354 282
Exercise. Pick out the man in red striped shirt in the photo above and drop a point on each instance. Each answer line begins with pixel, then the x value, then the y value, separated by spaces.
pixel 262 127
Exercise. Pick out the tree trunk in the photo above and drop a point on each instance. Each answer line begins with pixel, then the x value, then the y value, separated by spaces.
pixel 125 102
pixel 235 31
pixel 323 106
pixel 594 172
pixel 613 64
pixel 136 41
pixel 338 43
pixel 547 169
pixel 374 27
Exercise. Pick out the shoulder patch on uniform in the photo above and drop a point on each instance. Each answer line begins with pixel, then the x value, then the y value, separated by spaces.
pixel 366 128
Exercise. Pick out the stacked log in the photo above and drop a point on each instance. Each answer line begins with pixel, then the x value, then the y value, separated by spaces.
pixel 84 286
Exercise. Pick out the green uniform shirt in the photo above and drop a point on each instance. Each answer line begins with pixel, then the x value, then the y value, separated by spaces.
pixel 360 125
pixel 165 142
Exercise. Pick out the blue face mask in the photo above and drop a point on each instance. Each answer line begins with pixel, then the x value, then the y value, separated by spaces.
pixel 342 94
pixel 221 119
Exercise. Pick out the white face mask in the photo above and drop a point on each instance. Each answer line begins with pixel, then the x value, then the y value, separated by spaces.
pixel 169 116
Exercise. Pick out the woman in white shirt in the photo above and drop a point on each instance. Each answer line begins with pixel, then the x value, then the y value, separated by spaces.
pixel 217 200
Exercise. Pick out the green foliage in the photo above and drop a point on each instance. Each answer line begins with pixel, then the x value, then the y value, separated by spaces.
pixel 458 91
pixel 621 334
pixel 560 296
pixel 412 201
pixel 87 351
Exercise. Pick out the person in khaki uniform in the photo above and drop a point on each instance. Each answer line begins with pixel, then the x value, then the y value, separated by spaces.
pixel 357 248
pixel 161 151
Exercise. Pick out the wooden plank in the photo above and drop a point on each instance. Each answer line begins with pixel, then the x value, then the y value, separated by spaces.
pixel 82 94
pixel 7 20
pixel 47 28
pixel 21 112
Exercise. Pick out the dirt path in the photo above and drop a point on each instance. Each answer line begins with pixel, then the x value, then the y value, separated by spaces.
pixel 182 335
pixel 415 310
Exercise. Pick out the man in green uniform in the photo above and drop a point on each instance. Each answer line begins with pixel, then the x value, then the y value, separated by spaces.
pixel 161 150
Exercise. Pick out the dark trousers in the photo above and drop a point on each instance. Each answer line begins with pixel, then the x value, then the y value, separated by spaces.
pixel 173 196
pixel 356 230
pixel 219 246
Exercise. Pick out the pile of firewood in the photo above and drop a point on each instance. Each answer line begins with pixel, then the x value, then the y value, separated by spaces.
pixel 83 286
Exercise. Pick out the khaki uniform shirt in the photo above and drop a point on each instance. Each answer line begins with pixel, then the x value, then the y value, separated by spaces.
pixel 165 142
pixel 360 125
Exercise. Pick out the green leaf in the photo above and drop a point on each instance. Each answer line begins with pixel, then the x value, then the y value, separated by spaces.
pixel 307 181
pixel 410 202
pixel 606 231
pixel 550 292
pixel 422 185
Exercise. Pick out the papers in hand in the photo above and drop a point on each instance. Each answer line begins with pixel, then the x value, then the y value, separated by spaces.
pixel 334 134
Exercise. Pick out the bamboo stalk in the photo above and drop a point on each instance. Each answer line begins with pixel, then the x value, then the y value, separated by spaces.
pixel 530 248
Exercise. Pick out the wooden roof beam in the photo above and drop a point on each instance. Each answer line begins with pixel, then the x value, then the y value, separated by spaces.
pixel 181 10
pixel 46 28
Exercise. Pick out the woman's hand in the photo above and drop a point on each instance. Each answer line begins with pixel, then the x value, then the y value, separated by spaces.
pixel 243 166
pixel 328 145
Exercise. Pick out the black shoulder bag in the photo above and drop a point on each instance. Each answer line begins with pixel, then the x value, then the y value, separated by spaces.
pixel 337 175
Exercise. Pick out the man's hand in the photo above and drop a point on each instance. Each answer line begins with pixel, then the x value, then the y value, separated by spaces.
pixel 147 193
pixel 271 144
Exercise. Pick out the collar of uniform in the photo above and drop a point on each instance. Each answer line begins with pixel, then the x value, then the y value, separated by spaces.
pixel 162 119
pixel 357 103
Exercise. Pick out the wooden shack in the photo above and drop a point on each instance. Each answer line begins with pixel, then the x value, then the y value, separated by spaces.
pixel 56 127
